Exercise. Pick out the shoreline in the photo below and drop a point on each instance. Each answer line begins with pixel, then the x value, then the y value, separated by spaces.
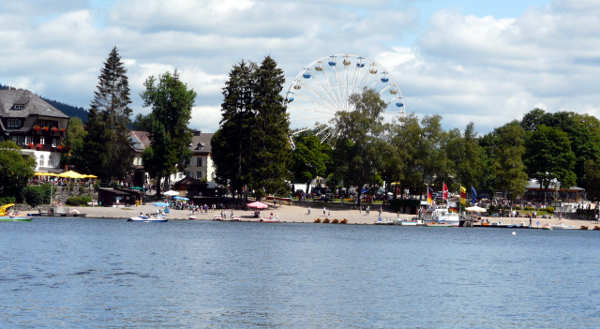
pixel 298 214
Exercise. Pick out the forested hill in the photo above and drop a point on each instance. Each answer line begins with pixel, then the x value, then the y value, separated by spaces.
pixel 71 111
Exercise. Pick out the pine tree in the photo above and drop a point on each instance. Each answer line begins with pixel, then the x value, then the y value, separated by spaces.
pixel 109 154
pixel 270 136
pixel 231 144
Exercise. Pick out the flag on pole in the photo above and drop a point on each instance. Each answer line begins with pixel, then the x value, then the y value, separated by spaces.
pixel 463 195
pixel 429 198
pixel 473 195
pixel 445 192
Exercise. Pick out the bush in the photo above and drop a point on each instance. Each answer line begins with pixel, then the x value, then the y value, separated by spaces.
pixel 81 200
pixel 550 209
pixel 37 195
pixel 34 196
pixel 7 199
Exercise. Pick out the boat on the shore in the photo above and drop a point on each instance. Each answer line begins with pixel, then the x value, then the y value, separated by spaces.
pixel 148 219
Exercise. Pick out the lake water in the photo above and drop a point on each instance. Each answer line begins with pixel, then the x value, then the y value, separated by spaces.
pixel 92 273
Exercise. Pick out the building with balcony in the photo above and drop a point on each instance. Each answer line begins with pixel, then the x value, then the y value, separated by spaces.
pixel 36 126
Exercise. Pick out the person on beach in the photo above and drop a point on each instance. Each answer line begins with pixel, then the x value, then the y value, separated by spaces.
pixel 324 211
pixel 308 210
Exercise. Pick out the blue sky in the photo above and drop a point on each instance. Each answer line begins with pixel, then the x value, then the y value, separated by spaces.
pixel 488 62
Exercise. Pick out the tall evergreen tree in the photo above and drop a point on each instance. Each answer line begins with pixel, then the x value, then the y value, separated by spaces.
pixel 171 103
pixel 107 144
pixel 270 134
pixel 231 143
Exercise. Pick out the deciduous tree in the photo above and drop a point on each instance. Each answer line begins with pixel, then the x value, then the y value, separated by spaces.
pixel 171 102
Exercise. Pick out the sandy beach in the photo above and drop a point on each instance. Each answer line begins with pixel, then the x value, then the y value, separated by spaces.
pixel 298 214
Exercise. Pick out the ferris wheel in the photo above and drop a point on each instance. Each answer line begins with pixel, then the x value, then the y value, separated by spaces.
pixel 325 85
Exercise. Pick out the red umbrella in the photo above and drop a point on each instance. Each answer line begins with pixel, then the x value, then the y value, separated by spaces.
pixel 257 205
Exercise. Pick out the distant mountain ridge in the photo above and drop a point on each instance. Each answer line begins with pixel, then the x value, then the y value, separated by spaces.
pixel 71 111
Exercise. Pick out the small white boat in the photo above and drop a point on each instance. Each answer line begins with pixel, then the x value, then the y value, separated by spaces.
pixel 563 226
pixel 148 219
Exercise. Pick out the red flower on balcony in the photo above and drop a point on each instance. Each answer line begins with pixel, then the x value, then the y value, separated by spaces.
pixel 54 129
pixel 31 146
pixel 62 130
pixel 39 146
pixel 60 147
pixel 45 128
pixel 36 128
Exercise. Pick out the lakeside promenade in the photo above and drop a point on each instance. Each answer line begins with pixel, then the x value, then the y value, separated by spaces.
pixel 297 214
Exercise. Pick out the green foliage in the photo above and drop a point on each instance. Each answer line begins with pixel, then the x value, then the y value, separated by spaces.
pixel 359 147
pixel 251 147
pixel 15 170
pixel 592 180
pixel 508 151
pixel 107 152
pixel 81 200
pixel 549 157
pixel 310 158
pixel 270 144
pixel 582 130
pixel 7 199
pixel 75 143
pixel 37 194
pixel 142 122
pixel 406 139
pixel 171 103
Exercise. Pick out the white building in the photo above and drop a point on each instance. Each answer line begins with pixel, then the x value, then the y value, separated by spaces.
pixel 201 165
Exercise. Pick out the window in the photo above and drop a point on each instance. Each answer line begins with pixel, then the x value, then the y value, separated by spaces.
pixel 54 141
pixel 21 140
pixel 199 162
pixel 42 140
pixel 18 107
pixel 13 123
pixel 28 140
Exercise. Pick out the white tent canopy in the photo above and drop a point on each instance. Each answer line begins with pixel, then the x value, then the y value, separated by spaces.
pixel 476 209
pixel 171 193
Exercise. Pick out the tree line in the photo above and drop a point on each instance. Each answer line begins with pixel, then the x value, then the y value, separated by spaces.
pixel 252 153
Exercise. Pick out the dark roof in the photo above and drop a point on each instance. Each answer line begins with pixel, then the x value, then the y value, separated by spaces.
pixel 140 140
pixel 32 105
pixel 201 142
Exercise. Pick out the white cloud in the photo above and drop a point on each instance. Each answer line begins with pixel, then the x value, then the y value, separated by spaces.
pixel 465 67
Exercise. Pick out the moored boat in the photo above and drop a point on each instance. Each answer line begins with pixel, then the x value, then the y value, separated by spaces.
pixel 563 226
pixel 148 219
pixel 7 215
pixel 15 219
pixel 442 217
